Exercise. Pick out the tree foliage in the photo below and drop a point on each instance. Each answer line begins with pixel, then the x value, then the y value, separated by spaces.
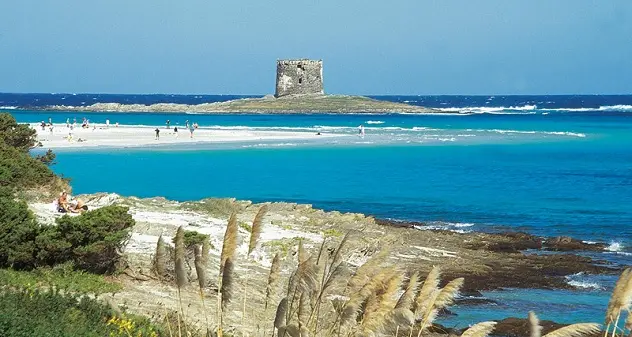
pixel 18 231
pixel 18 136
pixel 17 168
pixel 93 240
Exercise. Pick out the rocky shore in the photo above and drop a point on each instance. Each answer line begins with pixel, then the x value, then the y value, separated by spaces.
pixel 269 104
pixel 486 261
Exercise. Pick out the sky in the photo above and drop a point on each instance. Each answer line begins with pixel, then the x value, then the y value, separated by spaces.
pixel 416 47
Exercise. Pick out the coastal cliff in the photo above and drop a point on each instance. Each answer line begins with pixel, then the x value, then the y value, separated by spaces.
pixel 268 104
pixel 486 261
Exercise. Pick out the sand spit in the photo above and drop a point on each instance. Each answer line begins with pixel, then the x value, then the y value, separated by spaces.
pixel 137 136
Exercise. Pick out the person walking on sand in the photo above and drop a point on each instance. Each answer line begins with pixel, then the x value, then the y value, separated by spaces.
pixel 107 123
pixel 157 133
pixel 191 129
pixel 168 123
pixel 361 130
pixel 67 122
pixel 175 131
pixel 186 124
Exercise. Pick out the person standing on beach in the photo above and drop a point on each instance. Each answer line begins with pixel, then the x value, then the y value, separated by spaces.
pixel 361 130
pixel 67 122
pixel 175 130
pixel 107 123
pixel 157 133
pixel 191 129
pixel 186 124
pixel 168 122
pixel 50 121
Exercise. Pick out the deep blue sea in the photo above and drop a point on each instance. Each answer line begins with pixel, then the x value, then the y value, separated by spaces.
pixel 549 165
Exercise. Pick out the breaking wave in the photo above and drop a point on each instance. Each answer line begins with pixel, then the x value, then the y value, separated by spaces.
pixel 8 107
pixel 375 122
pixel 493 110
pixel 615 247
pixel 457 227
pixel 582 281
pixel 556 133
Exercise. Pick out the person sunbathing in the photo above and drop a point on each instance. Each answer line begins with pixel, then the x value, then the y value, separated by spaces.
pixel 77 206
pixel 66 203
pixel 62 203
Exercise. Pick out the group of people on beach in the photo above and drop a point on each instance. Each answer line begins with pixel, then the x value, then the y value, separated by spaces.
pixel 67 204
pixel 85 124
pixel 189 126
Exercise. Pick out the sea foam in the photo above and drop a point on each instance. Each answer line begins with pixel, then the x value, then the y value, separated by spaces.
pixel 615 247
pixel 493 110
pixel 582 280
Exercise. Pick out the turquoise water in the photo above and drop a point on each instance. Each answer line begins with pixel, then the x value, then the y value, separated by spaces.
pixel 544 172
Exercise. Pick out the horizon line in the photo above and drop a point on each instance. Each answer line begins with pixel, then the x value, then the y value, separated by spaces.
pixel 336 94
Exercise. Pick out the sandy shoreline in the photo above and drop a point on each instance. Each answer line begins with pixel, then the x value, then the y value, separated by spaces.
pixel 136 136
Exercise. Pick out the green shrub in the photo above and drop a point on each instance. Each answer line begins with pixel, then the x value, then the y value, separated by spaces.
pixel 47 158
pixel 192 238
pixel 19 170
pixel 18 136
pixel 93 240
pixel 62 277
pixel 50 313
pixel 18 230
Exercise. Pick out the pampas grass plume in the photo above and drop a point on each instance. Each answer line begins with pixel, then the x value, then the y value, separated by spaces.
pixel 230 241
pixel 302 254
pixel 227 282
pixel 200 269
pixel 616 300
pixel 575 330
pixel 448 293
pixel 257 228
pixel 407 298
pixel 429 286
pixel 534 325
pixel 279 318
pixel 273 278
pixel 482 329
pixel 160 258
pixel 181 274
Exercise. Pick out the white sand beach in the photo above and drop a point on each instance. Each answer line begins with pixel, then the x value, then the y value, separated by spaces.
pixel 140 136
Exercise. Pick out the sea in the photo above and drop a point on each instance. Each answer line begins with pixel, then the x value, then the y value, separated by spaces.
pixel 547 165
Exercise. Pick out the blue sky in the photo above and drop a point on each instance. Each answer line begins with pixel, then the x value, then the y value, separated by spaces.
pixel 368 47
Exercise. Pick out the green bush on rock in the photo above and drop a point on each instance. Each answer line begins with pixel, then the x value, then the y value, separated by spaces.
pixel 93 240
pixel 18 231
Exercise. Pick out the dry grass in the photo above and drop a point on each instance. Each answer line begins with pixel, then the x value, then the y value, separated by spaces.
pixel 620 300
pixel 257 228
pixel 273 279
pixel 482 329
pixel 576 330
pixel 535 328
pixel 161 258
pixel 324 296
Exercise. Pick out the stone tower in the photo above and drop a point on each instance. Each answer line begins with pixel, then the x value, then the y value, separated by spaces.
pixel 299 77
